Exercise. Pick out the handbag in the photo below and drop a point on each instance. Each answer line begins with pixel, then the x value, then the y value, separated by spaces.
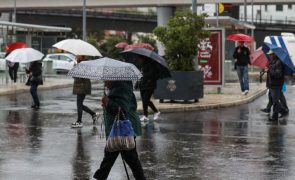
pixel 36 79
pixel 121 137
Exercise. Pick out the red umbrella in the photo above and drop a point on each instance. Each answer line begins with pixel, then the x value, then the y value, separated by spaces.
pixel 121 45
pixel 259 59
pixel 240 37
pixel 140 45
pixel 14 46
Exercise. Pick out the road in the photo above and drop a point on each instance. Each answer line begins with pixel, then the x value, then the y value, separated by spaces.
pixel 233 143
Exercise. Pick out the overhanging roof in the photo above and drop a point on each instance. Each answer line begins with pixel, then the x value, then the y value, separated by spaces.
pixel 36 27
pixel 228 22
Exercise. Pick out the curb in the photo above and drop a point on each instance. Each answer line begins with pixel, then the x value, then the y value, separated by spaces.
pixel 26 89
pixel 196 106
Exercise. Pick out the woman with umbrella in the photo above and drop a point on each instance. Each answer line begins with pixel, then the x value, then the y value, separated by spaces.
pixel 147 86
pixel 154 67
pixel 120 96
pixel 81 88
pixel 35 79
pixel 117 77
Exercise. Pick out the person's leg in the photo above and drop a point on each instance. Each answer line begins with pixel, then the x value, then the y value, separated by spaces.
pixel 106 165
pixel 239 72
pixel 149 94
pixel 269 104
pixel 284 103
pixel 10 71
pixel 34 94
pixel 131 158
pixel 275 95
pixel 246 78
pixel 144 98
pixel 15 68
pixel 87 109
pixel 80 99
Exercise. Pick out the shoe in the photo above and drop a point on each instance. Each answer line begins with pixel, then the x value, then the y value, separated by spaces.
pixel 265 110
pixel 144 118
pixel 35 106
pixel 273 119
pixel 156 115
pixel 95 117
pixel 77 125
pixel 246 92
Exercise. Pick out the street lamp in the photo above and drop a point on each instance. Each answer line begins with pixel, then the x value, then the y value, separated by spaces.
pixel 84 21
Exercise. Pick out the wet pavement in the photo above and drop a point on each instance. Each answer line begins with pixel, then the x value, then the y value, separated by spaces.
pixel 232 143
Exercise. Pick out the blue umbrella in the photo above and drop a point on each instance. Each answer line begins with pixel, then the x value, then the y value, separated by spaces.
pixel 282 54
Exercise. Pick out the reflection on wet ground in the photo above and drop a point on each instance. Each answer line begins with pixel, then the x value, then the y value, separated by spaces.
pixel 232 143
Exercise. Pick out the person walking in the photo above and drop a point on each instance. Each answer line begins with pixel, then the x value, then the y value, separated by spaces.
pixel 147 86
pixel 35 79
pixel 12 69
pixel 241 54
pixel 121 96
pixel 81 88
pixel 275 81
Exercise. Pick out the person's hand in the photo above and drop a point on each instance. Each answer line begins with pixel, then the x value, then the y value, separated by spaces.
pixel 239 50
pixel 104 101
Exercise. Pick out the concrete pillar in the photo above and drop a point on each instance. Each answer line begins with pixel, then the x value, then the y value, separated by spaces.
pixel 163 15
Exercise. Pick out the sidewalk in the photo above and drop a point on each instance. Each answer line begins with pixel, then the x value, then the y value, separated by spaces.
pixel 229 96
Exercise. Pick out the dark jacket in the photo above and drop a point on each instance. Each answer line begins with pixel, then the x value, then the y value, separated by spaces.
pixel 121 95
pixel 243 58
pixel 82 86
pixel 149 75
pixel 275 74
pixel 36 70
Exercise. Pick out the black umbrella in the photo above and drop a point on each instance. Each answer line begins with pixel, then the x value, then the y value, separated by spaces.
pixel 163 68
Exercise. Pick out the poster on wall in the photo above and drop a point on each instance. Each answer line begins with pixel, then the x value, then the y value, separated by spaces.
pixel 210 58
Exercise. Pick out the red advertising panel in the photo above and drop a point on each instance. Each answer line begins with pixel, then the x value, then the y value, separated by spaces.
pixel 210 58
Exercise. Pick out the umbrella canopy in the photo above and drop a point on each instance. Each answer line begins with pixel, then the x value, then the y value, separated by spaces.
pixel 282 55
pixel 240 37
pixel 139 45
pixel 14 46
pixel 77 47
pixel 259 59
pixel 164 70
pixel 106 69
pixel 25 55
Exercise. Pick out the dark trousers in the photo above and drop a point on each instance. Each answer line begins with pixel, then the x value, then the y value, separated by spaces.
pixel 81 107
pixel 13 72
pixel 275 96
pixel 146 101
pixel 130 157
pixel 283 103
pixel 33 91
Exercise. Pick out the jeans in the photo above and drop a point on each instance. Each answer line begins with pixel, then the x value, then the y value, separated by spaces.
pixel 81 107
pixel 145 97
pixel 130 157
pixel 243 77
pixel 33 91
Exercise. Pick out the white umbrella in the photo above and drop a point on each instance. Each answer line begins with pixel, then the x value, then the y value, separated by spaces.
pixel 77 47
pixel 24 55
pixel 105 69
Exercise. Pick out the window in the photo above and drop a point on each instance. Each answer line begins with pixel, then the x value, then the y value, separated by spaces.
pixel 265 7
pixel 289 6
pixel 279 7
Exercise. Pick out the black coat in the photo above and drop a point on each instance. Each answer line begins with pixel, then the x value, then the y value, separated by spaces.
pixel 36 70
pixel 149 75
pixel 275 74
pixel 243 58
